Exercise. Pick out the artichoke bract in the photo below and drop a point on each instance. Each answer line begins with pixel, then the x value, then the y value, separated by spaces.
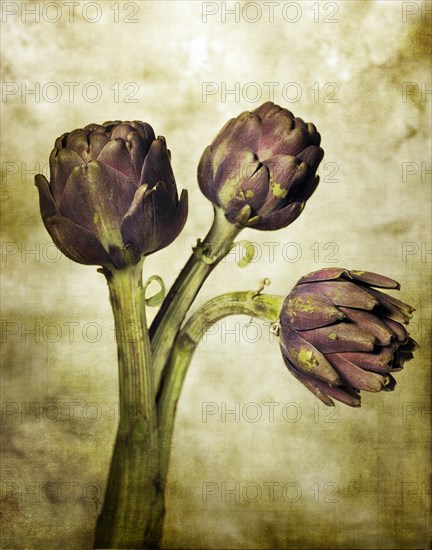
pixel 112 196
pixel 261 167
pixel 340 335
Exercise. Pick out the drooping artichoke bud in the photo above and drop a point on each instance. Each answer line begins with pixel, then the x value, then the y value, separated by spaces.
pixel 112 196
pixel 339 335
pixel 260 168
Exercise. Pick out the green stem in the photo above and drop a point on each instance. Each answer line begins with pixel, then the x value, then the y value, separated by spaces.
pixel 133 491
pixel 265 307
pixel 206 256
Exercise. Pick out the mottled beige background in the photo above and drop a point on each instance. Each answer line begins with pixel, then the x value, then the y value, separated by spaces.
pixel 357 479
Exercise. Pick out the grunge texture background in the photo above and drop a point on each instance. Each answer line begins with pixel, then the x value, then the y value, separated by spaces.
pixel 280 470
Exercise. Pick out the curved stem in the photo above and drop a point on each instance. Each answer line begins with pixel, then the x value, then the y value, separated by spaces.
pixel 265 307
pixel 133 490
pixel 169 318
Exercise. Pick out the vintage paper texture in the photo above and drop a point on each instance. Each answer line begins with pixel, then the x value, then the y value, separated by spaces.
pixel 257 462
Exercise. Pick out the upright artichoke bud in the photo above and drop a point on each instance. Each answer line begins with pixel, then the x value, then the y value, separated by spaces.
pixel 260 168
pixel 112 196
pixel 340 335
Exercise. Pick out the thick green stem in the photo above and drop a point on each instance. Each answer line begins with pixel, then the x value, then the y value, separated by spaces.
pixel 134 491
pixel 206 256
pixel 265 307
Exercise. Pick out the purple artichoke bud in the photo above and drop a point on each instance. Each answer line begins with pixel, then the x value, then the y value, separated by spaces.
pixel 112 196
pixel 339 335
pixel 260 168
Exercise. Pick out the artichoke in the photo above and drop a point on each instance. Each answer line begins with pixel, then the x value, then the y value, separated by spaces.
pixel 260 168
pixel 112 197
pixel 340 335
